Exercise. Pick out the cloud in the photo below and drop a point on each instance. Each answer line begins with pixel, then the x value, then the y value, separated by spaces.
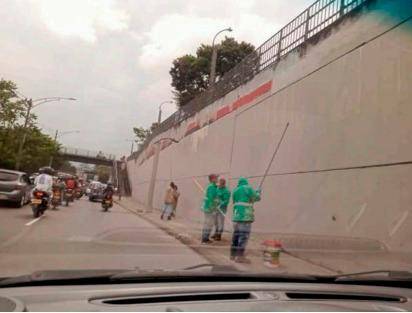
pixel 115 56
pixel 82 18
pixel 174 35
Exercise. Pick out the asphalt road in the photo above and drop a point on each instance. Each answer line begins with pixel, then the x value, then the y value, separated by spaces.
pixel 81 236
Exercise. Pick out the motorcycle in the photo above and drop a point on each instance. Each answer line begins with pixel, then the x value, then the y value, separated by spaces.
pixel 56 198
pixel 39 203
pixel 68 196
pixel 78 193
pixel 107 202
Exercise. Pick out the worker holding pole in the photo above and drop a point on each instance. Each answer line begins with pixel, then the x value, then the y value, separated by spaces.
pixel 243 216
pixel 243 212
pixel 209 207
pixel 223 195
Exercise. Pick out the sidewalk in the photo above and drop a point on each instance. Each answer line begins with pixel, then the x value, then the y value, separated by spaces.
pixel 218 252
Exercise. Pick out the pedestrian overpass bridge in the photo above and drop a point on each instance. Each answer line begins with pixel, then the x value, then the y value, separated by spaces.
pixel 87 156
pixel 119 172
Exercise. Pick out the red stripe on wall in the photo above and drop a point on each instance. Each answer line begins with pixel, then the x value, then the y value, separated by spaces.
pixel 165 144
pixel 223 111
pixel 246 99
pixel 193 126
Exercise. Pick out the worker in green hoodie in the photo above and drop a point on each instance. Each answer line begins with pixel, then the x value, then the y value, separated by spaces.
pixel 209 206
pixel 243 216
pixel 223 195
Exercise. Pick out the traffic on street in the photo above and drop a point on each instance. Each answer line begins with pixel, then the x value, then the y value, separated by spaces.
pixel 82 236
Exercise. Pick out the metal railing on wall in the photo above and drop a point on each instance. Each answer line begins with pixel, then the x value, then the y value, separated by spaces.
pixel 309 23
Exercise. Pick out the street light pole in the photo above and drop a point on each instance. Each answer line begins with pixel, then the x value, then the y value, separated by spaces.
pixel 212 77
pixel 23 140
pixel 132 145
pixel 56 135
pixel 159 117
pixel 154 170
pixel 30 106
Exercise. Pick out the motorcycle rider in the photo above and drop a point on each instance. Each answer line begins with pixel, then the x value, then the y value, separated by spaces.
pixel 108 191
pixel 71 183
pixel 60 185
pixel 44 181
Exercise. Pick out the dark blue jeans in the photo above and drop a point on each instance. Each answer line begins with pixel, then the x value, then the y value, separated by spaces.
pixel 241 233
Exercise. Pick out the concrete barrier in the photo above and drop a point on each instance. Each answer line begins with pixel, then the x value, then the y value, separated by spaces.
pixel 345 166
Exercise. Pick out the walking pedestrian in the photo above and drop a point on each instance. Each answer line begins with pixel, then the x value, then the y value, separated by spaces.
pixel 168 202
pixel 176 196
pixel 209 206
pixel 223 195
pixel 243 216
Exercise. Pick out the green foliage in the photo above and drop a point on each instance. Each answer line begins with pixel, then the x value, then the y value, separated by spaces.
pixel 103 172
pixel 65 167
pixel 190 74
pixel 36 152
pixel 142 133
pixel 38 148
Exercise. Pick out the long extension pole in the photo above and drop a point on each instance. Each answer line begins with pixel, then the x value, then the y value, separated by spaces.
pixel 274 154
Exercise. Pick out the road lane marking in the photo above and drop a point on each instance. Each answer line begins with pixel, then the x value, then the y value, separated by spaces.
pixel 356 217
pixel 399 223
pixel 33 221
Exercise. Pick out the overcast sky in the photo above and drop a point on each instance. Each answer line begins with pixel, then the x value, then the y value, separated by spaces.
pixel 115 56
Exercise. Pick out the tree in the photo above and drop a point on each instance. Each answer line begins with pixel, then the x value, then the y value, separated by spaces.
pixel 103 172
pixel 37 151
pixel 39 147
pixel 142 133
pixel 190 74
pixel 66 167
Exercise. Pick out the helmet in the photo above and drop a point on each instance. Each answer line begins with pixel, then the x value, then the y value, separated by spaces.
pixel 46 170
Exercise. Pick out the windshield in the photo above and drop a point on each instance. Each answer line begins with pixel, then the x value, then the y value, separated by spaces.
pixel 269 137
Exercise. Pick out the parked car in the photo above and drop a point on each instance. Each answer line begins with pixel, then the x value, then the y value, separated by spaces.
pixel 15 187
pixel 96 191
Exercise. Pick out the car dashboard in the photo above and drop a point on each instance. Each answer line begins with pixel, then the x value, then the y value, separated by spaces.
pixel 206 296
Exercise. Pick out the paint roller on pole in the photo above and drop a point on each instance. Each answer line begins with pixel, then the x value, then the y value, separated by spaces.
pixel 273 156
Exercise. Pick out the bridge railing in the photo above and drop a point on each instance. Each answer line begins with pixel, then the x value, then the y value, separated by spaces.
pixel 306 25
pixel 87 153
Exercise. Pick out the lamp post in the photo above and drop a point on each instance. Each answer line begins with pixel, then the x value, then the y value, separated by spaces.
pixel 212 76
pixel 159 117
pixel 154 170
pixel 31 104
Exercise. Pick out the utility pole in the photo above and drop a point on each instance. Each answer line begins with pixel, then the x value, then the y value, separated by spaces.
pixel 23 140
pixel 55 142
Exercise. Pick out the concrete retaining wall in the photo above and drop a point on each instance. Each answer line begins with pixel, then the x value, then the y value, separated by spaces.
pixel 345 167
